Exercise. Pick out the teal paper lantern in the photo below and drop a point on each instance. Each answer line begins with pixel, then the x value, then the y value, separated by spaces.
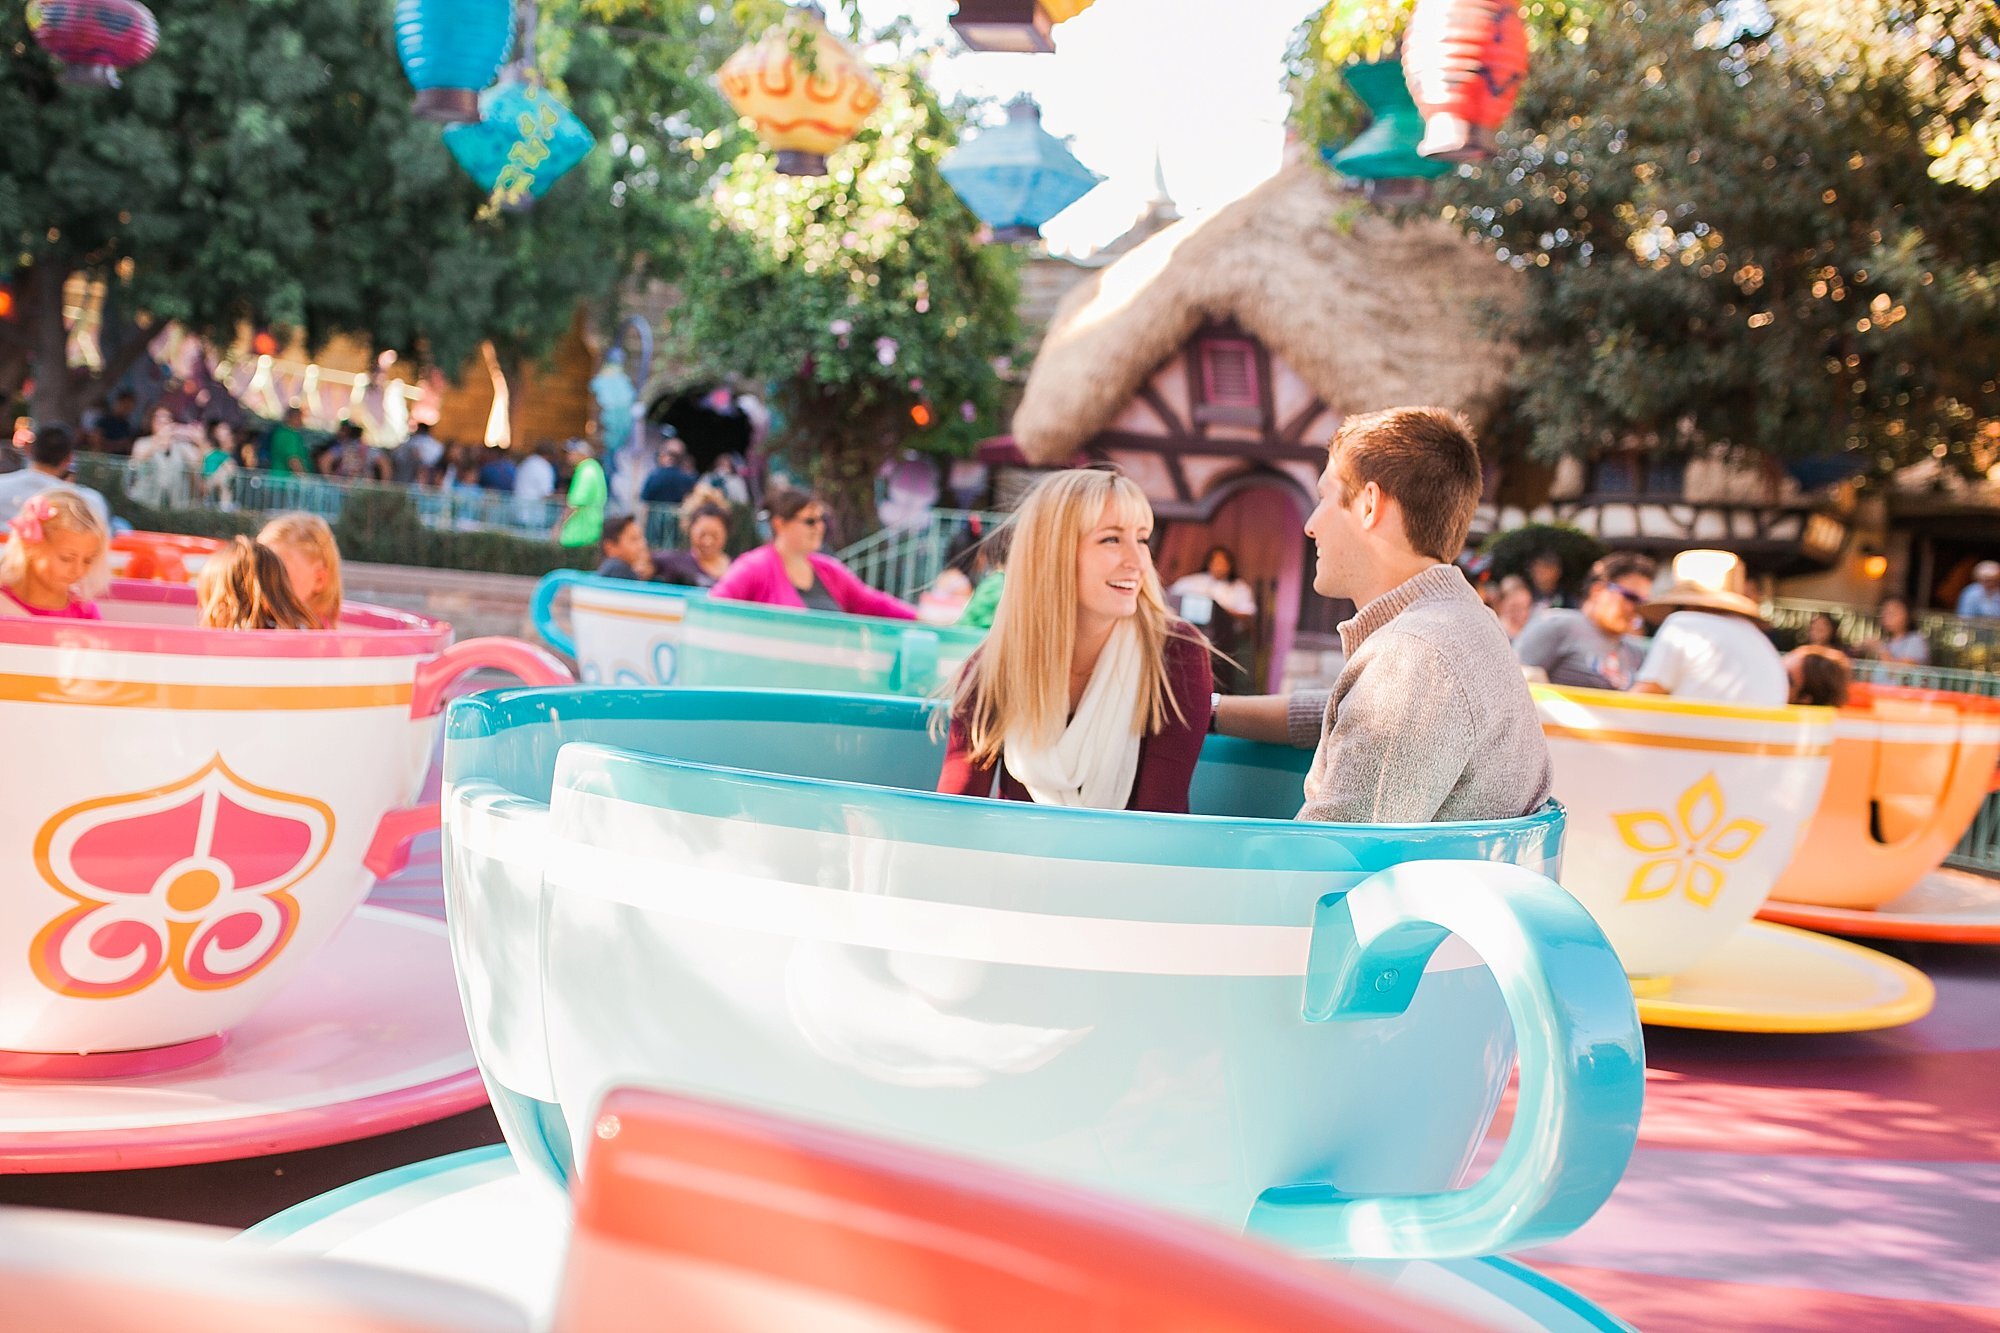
pixel 1015 177
pixel 1387 149
pixel 525 140
pixel 451 49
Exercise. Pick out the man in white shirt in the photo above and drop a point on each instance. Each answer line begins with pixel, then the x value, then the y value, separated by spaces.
pixel 1982 596
pixel 49 462
pixel 534 483
pixel 1711 645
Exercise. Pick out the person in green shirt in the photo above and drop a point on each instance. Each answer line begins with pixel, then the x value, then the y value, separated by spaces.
pixel 583 516
pixel 985 600
pixel 286 448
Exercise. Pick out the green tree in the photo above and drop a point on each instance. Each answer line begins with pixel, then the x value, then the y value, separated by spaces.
pixel 1726 243
pixel 864 297
pixel 1946 53
pixel 263 166
pixel 1743 238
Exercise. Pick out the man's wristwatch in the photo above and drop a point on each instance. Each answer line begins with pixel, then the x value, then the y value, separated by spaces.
pixel 1214 712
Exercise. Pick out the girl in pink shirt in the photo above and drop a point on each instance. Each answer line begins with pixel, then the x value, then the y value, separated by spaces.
pixel 53 562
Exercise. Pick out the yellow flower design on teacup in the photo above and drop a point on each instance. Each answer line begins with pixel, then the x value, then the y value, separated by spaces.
pixel 1685 850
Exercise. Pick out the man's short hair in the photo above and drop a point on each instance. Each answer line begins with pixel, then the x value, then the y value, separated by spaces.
pixel 1622 565
pixel 1425 459
pixel 52 447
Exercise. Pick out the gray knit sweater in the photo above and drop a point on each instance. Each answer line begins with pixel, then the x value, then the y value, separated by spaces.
pixel 1430 720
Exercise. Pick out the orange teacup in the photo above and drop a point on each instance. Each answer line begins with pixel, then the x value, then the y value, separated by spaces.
pixel 1910 770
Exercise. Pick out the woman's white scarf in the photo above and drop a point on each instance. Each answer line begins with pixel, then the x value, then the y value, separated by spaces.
pixel 1095 759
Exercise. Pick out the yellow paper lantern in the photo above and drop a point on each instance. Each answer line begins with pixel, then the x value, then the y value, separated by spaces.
pixel 1013 25
pixel 804 116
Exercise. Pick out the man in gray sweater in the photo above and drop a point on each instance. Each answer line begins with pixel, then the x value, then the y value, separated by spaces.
pixel 1430 719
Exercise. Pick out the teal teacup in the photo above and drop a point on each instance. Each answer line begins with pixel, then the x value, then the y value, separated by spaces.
pixel 622 632
pixel 1300 1028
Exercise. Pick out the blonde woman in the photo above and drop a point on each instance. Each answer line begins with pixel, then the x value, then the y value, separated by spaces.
pixel 305 544
pixel 1086 692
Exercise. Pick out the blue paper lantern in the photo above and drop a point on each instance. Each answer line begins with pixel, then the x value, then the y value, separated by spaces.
pixel 451 49
pixel 1017 176
pixel 525 140
pixel 1387 148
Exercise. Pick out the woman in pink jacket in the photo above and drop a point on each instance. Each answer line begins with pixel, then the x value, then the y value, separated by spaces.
pixel 790 571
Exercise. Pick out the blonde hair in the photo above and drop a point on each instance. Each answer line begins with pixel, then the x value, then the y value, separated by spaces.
pixel 244 586
pixel 68 511
pixel 309 535
pixel 1020 676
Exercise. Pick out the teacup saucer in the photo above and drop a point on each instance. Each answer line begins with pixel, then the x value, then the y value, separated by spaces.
pixel 1946 906
pixel 473 1218
pixel 1768 978
pixel 368 1039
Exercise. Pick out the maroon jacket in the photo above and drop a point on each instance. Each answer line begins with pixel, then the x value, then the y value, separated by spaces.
pixel 1166 759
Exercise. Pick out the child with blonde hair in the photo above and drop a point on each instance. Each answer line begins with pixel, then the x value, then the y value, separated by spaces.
pixel 305 544
pixel 245 586
pixel 53 563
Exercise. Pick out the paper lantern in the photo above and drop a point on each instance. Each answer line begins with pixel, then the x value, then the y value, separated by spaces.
pixel 1465 61
pixel 1017 176
pixel 451 50
pixel 1387 148
pixel 803 116
pixel 1013 25
pixel 525 140
pixel 94 38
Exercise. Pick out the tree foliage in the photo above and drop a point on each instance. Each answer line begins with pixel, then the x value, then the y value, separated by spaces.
pixel 1738 238
pixel 864 297
pixel 264 166
pixel 1946 53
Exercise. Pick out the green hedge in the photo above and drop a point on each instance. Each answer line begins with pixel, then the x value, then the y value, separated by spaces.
pixel 375 526
pixel 1511 552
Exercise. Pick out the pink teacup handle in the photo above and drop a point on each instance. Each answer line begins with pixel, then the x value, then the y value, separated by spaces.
pixel 389 852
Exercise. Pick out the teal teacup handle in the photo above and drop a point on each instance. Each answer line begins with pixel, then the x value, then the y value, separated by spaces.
pixel 542 609
pixel 1576 1029
pixel 916 667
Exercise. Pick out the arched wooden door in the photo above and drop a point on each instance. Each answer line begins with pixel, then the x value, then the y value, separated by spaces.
pixel 1262 520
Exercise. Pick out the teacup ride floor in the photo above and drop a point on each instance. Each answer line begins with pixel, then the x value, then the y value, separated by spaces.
pixel 1946 906
pixel 1846 1181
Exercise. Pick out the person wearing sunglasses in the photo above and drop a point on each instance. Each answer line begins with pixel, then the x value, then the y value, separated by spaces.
pixel 1592 646
pixel 790 570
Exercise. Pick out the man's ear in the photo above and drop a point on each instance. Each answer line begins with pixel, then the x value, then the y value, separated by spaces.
pixel 1372 505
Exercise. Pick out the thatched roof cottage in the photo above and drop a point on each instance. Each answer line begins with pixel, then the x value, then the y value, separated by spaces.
pixel 1213 362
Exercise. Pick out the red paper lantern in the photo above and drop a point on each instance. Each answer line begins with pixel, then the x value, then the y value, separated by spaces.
pixel 94 38
pixel 1465 61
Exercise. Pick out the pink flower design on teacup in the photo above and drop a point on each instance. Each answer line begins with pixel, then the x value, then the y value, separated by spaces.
pixel 1686 850
pixel 192 877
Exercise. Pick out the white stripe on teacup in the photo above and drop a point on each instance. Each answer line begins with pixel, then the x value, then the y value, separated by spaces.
pixel 721 897
pixel 496 823
pixel 652 605
pixel 1946 730
pixel 784 650
pixel 178 669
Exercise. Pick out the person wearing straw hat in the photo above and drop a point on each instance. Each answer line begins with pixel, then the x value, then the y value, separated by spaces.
pixel 1982 596
pixel 1710 642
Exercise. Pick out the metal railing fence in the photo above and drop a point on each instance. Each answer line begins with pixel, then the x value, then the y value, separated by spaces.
pixel 460 509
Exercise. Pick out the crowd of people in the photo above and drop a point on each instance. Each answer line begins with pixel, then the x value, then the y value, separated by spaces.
pixel 1708 639
pixel 180 458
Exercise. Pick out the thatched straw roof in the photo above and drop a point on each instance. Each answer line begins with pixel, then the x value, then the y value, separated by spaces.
pixel 1379 314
